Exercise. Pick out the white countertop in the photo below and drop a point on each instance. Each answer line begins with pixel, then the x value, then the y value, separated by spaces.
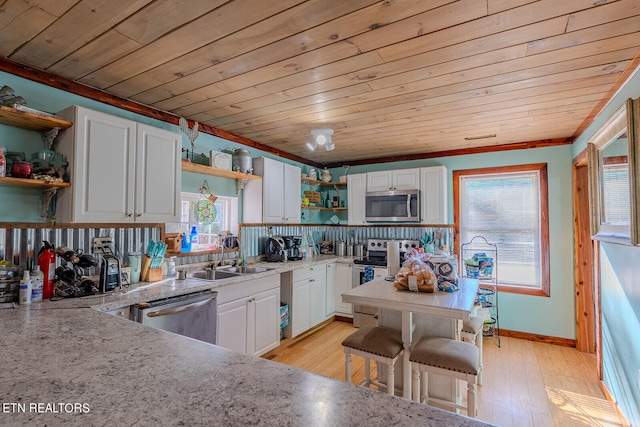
pixel 381 293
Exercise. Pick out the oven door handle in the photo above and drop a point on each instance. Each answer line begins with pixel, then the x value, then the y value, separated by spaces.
pixel 179 309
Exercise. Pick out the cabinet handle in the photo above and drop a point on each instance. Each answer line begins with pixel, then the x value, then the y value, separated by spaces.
pixel 138 215
pixel 129 215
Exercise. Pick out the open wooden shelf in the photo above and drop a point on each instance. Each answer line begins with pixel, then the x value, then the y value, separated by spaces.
pixel 208 170
pixel 320 208
pixel 31 183
pixel 27 120
pixel 317 182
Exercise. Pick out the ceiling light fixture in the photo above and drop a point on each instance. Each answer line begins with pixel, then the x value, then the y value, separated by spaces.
pixel 472 138
pixel 321 136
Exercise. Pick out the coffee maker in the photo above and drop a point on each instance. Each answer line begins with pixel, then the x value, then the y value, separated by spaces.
pixel 292 246
pixel 275 250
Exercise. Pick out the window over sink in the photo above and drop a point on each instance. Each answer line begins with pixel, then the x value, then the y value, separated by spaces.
pixel 211 222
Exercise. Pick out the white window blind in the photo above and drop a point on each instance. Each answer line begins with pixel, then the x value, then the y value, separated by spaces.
pixel 505 209
pixel 615 192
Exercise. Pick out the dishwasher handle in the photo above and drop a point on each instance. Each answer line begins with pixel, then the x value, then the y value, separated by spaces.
pixel 180 309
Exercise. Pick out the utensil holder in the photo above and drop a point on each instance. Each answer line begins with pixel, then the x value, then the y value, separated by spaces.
pixel 154 274
pixel 144 270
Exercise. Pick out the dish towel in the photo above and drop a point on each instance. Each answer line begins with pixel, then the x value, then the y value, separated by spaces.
pixel 368 273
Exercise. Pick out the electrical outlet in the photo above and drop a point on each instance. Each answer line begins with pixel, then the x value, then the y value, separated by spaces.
pixel 101 245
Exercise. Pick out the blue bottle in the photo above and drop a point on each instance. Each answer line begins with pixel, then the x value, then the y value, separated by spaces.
pixel 185 246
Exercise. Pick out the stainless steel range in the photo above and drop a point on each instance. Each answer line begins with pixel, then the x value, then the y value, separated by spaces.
pixel 376 260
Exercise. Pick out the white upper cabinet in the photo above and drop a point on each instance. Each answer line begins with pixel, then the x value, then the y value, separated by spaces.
pixel 433 195
pixel 400 179
pixel 276 198
pixel 356 189
pixel 123 171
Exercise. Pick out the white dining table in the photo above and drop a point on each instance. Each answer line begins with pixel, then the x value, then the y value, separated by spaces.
pixel 458 305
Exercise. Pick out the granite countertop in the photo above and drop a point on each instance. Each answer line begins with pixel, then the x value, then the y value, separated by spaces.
pixel 79 366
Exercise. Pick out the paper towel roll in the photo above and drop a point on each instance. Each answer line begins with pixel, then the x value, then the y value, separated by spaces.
pixel 393 257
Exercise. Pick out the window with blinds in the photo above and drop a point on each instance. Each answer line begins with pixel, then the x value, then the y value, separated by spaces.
pixel 507 207
pixel 615 193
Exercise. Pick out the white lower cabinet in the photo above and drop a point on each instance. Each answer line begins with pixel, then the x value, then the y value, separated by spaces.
pixel 249 316
pixel 343 284
pixel 305 289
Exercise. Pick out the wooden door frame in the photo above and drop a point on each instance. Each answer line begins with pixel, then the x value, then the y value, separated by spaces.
pixel 586 293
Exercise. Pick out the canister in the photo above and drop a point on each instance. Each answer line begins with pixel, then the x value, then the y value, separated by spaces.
pixel 242 161
pixel 359 250
pixel 349 249
pixel 340 247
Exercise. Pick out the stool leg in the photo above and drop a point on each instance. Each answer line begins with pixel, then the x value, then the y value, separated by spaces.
pixel 479 339
pixel 347 366
pixel 472 396
pixel 415 386
pixel 424 384
pixel 367 372
pixel 390 378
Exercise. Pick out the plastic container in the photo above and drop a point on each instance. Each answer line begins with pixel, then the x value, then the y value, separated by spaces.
pixel 37 284
pixel 171 268
pixel 193 244
pixel 186 243
pixel 25 289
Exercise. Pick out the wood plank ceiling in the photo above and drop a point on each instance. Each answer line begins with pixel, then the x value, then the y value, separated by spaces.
pixel 394 79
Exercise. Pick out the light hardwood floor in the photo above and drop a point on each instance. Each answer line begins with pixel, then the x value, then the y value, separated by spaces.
pixel 525 383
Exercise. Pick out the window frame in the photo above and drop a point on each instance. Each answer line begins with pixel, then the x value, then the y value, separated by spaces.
pixel 541 168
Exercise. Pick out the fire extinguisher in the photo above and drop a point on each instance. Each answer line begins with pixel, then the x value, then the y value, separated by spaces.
pixel 47 263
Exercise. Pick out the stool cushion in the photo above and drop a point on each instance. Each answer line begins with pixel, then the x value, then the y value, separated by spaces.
pixel 375 340
pixel 446 353
pixel 473 325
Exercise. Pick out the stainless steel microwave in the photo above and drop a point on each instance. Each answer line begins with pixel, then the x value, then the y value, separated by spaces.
pixel 392 206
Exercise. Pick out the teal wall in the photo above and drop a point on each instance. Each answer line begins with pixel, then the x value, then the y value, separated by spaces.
pixel 619 272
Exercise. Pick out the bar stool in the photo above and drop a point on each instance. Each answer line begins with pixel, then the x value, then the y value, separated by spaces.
pixel 374 343
pixel 472 332
pixel 447 357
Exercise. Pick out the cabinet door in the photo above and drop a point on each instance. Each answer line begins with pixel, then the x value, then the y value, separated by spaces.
pixel 379 181
pixel 266 331
pixel 273 194
pixel 343 284
pixel 292 190
pixel 406 179
pixel 101 153
pixel 356 189
pixel 299 310
pixel 318 300
pixel 433 195
pixel 232 325
pixel 157 180
pixel 331 290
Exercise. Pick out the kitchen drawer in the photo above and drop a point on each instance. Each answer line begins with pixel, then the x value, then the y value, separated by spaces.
pixel 309 272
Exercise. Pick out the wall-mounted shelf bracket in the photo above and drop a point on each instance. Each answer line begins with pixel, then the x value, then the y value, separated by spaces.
pixel 240 183
pixel 49 137
pixel 48 197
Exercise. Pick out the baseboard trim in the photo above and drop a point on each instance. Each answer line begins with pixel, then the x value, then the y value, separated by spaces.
pixel 609 397
pixel 564 342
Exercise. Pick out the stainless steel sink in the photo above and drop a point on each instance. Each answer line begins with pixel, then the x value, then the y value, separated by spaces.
pixel 214 274
pixel 246 269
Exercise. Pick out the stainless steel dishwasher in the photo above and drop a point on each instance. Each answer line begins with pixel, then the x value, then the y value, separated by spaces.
pixel 192 315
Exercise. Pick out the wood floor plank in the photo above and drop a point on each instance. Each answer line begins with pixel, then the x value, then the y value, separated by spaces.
pixel 525 383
